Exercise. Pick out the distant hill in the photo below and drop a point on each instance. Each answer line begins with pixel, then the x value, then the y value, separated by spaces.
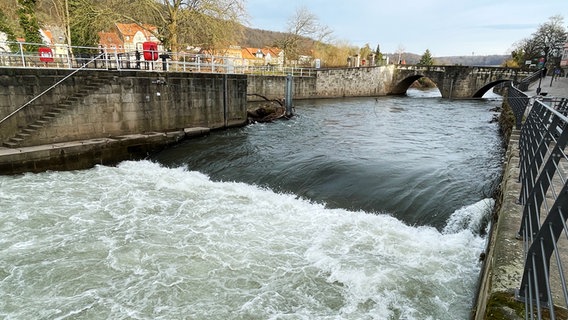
pixel 491 60
pixel 258 38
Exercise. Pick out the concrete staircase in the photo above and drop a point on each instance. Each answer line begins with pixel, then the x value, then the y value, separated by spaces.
pixel 91 85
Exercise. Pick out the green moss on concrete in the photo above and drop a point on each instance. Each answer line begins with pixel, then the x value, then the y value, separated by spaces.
pixel 504 306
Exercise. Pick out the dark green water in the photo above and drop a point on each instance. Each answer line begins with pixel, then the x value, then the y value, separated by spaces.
pixel 418 158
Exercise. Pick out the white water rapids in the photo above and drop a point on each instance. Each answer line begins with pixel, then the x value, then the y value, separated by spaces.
pixel 141 241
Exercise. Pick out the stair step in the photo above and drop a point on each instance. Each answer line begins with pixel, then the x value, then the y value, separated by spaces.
pixel 93 84
pixel 9 144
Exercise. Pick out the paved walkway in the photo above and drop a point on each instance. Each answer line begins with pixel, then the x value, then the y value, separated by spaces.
pixel 558 89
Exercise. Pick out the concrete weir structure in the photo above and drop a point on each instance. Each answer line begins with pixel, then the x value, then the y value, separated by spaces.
pixel 100 116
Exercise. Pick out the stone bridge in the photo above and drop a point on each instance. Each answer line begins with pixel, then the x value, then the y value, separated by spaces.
pixel 457 82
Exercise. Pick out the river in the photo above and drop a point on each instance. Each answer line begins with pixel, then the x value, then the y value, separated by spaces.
pixel 357 208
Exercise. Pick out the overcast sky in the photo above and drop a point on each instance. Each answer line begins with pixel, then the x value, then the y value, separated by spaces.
pixel 445 27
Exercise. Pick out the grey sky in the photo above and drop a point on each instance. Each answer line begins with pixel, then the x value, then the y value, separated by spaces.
pixel 445 27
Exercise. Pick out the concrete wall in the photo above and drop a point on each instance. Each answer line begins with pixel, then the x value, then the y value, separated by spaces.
pixel 101 104
pixel 325 83
pixel 274 87
pixel 354 82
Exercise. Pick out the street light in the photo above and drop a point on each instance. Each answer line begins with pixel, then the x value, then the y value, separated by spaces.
pixel 542 71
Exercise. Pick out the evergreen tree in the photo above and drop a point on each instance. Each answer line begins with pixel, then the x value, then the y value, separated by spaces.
pixel 28 22
pixel 378 56
pixel 426 59
pixel 8 31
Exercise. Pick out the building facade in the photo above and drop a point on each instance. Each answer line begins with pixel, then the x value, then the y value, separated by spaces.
pixel 564 60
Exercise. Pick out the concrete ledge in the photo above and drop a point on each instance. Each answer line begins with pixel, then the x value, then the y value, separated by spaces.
pixel 193 132
pixel 503 267
pixel 84 154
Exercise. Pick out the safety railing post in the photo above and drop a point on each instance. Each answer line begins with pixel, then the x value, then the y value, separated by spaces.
pixel 22 55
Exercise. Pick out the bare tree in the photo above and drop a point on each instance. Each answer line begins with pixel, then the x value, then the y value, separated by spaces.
pixel 525 49
pixel 336 54
pixel 551 37
pixel 547 42
pixel 400 51
pixel 58 12
pixel 204 23
pixel 303 30
pixel 365 52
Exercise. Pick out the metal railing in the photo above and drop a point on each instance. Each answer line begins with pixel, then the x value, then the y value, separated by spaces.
pixel 30 55
pixel 519 103
pixel 526 82
pixel 544 197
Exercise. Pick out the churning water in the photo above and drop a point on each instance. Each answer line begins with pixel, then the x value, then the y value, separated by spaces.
pixel 345 212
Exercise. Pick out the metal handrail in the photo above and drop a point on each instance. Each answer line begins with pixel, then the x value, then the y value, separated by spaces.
pixel 167 61
pixel 525 83
pixel 48 89
pixel 544 194
pixel 518 102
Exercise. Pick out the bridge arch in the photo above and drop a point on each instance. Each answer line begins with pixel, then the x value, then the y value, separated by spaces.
pixel 402 86
pixel 480 92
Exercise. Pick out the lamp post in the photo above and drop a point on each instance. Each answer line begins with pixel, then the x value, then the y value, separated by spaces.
pixel 542 71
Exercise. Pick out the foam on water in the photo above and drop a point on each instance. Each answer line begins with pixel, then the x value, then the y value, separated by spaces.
pixel 146 242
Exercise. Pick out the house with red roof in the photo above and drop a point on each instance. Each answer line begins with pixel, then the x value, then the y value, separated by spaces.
pixel 54 37
pixel 268 56
pixel 127 37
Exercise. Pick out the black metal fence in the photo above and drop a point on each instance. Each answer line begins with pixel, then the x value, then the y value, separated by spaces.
pixel 544 197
